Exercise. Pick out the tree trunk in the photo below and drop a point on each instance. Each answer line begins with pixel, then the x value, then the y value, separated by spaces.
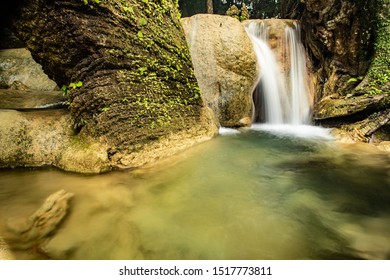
pixel 210 9
pixel 131 57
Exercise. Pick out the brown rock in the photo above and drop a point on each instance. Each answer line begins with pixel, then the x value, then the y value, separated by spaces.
pixel 17 66
pixel 225 65
pixel 37 229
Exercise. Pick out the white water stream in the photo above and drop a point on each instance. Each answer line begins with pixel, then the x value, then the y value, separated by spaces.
pixel 282 83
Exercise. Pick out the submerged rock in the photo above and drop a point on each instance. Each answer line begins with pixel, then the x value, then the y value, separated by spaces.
pixel 36 230
pixel 5 253
pixel 225 66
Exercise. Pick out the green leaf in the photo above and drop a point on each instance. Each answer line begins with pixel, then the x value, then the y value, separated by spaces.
pixel 352 80
pixel 140 35
pixel 128 9
pixel 76 85
pixel 142 70
pixel 142 21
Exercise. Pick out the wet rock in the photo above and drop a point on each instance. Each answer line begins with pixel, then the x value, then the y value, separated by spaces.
pixel 36 230
pixel 225 66
pixel 339 37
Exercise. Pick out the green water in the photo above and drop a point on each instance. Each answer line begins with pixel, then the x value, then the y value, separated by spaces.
pixel 246 196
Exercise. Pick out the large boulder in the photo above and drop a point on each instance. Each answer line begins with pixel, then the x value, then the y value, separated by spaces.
pixel 127 68
pixel 225 66
pixel 39 138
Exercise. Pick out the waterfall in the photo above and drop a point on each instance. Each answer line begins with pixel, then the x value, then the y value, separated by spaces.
pixel 282 83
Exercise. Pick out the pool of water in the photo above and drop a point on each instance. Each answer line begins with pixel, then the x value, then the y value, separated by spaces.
pixel 248 195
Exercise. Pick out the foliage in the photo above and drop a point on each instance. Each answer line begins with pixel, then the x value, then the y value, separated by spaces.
pixel 379 72
pixel 256 8
pixel 75 85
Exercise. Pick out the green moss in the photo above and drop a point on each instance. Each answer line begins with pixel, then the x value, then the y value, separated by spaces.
pixel 379 72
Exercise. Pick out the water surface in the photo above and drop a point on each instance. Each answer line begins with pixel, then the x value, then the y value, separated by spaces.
pixel 248 195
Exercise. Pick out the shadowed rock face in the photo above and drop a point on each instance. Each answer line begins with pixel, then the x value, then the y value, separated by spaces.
pixel 346 41
pixel 339 35
pixel 225 66
pixel 138 86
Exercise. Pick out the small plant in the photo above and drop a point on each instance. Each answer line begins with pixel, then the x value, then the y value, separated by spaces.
pixel 142 21
pixel 65 89
pixel 78 84
pixel 352 80
pixel 142 70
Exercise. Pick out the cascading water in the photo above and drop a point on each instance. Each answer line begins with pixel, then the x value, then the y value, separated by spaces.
pixel 282 97
pixel 285 93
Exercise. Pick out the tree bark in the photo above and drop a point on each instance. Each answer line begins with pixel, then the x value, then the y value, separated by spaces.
pixel 131 57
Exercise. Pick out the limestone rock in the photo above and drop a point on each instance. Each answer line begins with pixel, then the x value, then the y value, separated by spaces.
pixel 18 66
pixel 83 156
pixel 32 138
pixel 40 138
pixel 225 66
pixel 37 229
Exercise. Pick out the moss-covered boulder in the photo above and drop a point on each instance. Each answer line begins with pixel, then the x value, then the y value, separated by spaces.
pixel 126 68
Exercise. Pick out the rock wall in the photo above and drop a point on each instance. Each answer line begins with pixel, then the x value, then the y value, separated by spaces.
pixel 344 40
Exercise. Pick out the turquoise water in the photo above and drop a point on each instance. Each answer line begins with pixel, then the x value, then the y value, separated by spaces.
pixel 251 195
